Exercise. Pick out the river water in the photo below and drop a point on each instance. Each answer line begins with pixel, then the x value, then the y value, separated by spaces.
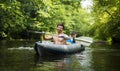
pixel 20 55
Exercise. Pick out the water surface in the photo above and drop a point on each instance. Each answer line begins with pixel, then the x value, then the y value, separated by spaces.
pixel 20 55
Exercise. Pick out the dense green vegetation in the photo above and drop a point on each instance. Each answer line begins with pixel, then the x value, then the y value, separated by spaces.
pixel 17 17
pixel 107 20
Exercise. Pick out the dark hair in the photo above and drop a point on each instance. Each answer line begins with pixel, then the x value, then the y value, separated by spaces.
pixel 73 33
pixel 61 24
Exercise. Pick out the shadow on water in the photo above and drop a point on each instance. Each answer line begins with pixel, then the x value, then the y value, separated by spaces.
pixel 15 60
pixel 105 57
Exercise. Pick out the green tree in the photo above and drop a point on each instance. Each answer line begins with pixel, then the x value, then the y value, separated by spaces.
pixel 106 16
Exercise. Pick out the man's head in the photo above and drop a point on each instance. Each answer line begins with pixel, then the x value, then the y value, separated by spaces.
pixel 61 24
pixel 74 34
pixel 60 27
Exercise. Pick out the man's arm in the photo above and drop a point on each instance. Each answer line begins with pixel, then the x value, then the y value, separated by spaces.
pixel 47 38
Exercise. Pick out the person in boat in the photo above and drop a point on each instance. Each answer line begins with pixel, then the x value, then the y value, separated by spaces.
pixel 72 40
pixel 60 37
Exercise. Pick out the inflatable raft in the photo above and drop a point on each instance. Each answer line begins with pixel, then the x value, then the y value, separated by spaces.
pixel 50 48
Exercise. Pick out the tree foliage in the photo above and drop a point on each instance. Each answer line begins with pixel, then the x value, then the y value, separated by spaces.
pixel 19 16
pixel 106 19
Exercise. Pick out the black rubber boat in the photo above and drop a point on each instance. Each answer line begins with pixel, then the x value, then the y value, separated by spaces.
pixel 48 48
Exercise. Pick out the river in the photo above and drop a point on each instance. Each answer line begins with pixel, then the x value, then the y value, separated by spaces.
pixel 20 55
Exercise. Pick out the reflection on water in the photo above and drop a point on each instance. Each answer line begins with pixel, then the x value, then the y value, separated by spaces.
pixel 85 59
pixel 58 63
pixel 19 55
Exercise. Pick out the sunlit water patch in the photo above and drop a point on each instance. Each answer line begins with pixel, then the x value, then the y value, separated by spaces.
pixel 84 59
pixel 21 48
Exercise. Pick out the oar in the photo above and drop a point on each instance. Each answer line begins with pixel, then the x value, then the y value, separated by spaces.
pixel 37 32
pixel 84 39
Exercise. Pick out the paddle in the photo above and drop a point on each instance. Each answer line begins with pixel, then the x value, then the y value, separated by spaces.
pixel 37 32
pixel 85 41
pixel 82 39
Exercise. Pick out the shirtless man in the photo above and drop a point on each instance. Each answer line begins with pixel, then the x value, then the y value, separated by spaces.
pixel 60 37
